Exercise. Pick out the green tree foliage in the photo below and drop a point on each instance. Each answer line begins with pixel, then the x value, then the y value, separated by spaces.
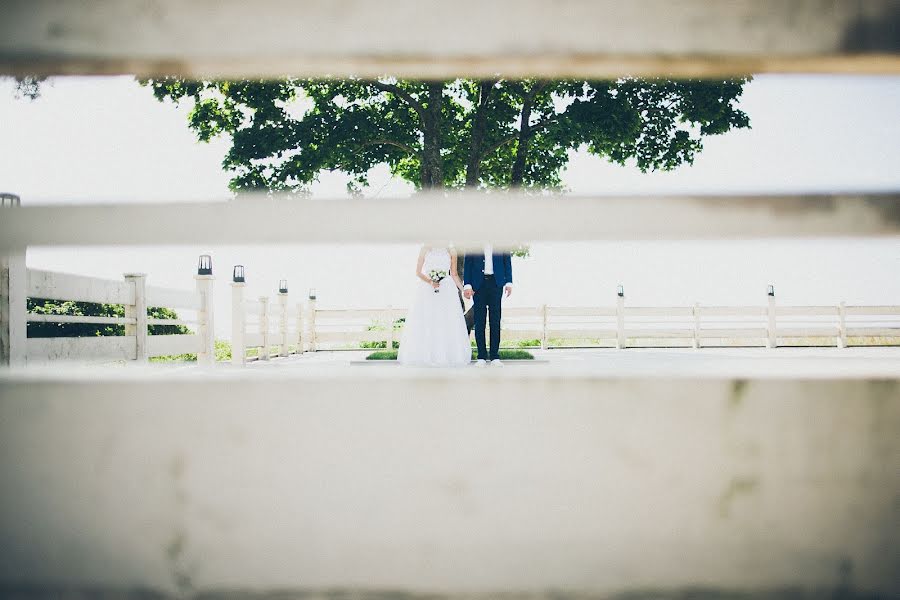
pixel 28 86
pixel 464 133
pixel 92 309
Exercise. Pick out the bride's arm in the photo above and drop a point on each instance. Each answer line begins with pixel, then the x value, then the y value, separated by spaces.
pixel 453 272
pixel 419 266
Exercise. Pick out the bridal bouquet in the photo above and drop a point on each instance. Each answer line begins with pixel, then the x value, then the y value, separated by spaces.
pixel 436 277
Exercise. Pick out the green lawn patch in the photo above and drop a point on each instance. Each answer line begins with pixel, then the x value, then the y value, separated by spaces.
pixel 504 355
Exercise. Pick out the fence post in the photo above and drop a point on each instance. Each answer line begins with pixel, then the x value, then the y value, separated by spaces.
pixel 283 316
pixel 543 326
pixel 842 325
pixel 13 298
pixel 205 323
pixel 389 341
pixel 696 341
pixel 13 307
pixel 238 318
pixel 312 321
pixel 138 312
pixel 772 341
pixel 620 318
pixel 264 327
pixel 301 339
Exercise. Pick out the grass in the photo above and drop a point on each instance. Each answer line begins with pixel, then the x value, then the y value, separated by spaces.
pixel 504 355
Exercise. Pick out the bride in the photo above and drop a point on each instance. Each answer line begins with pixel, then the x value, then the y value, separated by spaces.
pixel 435 333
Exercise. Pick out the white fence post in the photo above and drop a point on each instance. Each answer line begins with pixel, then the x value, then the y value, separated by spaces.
pixel 13 298
pixel 772 341
pixel 301 339
pixel 205 323
pixel 238 318
pixel 543 326
pixel 842 325
pixel 389 338
pixel 312 321
pixel 620 318
pixel 283 316
pixel 696 340
pixel 138 312
pixel 13 308
pixel 264 327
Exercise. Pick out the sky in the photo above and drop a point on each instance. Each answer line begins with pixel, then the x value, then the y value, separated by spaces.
pixel 108 140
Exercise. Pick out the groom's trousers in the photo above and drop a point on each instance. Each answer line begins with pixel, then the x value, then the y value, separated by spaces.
pixel 487 301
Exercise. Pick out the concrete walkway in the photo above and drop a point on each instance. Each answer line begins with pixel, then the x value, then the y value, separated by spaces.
pixel 640 362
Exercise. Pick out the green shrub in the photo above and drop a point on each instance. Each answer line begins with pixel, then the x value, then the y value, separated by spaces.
pixel 41 306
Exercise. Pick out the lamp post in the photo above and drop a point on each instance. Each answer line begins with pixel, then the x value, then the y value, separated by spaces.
pixel 238 317
pixel 620 317
pixel 283 317
pixel 312 319
pixel 771 341
pixel 207 352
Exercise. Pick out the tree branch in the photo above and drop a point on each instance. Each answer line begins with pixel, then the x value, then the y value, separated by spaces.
pixel 512 137
pixel 403 95
pixel 387 142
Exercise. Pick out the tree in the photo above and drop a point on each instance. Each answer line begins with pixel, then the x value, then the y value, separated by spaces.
pixel 451 134
pixel 29 86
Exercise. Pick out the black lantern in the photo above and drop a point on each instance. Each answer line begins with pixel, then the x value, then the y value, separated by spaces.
pixel 770 290
pixel 282 286
pixel 312 293
pixel 238 276
pixel 204 267
pixel 620 291
pixel 9 200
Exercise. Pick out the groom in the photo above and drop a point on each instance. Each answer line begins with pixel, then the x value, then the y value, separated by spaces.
pixel 487 276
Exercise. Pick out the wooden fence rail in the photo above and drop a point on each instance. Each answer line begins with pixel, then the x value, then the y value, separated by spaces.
pixel 20 283
pixel 624 326
pixel 519 38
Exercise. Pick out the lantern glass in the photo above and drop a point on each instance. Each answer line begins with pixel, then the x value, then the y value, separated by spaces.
pixel 238 276
pixel 204 265
pixel 770 290
pixel 312 293
pixel 620 291
pixel 282 286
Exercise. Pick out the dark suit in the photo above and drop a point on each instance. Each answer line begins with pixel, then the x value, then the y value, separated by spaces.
pixel 488 294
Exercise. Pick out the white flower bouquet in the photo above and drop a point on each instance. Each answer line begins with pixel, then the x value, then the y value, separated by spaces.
pixel 436 276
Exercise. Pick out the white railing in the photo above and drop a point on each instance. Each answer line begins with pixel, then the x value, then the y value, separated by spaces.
pixel 621 326
pixel 21 283
pixel 519 38
pixel 263 325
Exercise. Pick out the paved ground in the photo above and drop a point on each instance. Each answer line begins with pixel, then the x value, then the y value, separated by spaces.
pixel 637 362
pixel 795 363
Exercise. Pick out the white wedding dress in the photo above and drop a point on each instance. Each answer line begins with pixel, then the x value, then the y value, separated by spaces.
pixel 435 333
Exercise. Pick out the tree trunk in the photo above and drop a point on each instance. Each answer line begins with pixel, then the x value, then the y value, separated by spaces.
pixel 432 162
pixel 478 129
pixel 518 169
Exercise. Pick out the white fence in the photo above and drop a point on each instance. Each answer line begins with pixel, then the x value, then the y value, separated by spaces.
pixel 20 283
pixel 262 324
pixel 622 326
